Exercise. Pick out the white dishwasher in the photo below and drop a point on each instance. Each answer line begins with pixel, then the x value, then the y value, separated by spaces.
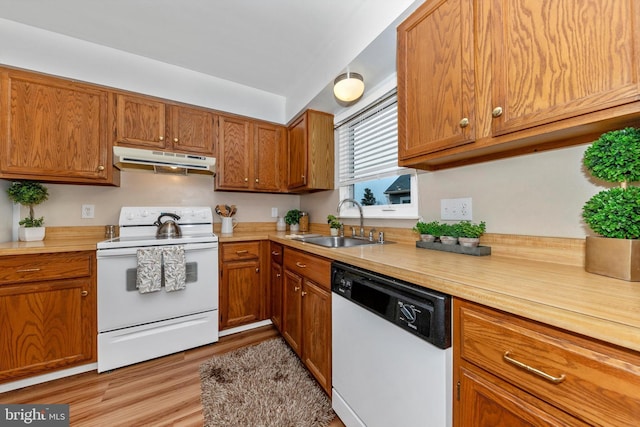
pixel 392 356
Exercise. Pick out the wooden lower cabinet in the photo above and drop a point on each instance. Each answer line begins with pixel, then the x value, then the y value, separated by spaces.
pixel 510 371
pixel 47 313
pixel 276 283
pixel 306 320
pixel 242 291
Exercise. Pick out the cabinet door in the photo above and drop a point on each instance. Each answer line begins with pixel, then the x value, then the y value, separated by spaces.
pixel 234 151
pixel 316 327
pixel 53 130
pixel 297 143
pixel 436 102
pixel 240 293
pixel 268 162
pixel 488 402
pixel 46 326
pixel 276 295
pixel 292 310
pixel 191 130
pixel 140 122
pixel 557 59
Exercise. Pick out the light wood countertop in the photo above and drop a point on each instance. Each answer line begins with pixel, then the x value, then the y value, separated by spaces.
pixel 561 295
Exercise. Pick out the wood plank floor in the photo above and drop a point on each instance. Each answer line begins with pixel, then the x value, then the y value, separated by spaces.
pixel 160 392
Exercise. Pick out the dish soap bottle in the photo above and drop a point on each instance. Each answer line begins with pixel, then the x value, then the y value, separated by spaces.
pixel 280 224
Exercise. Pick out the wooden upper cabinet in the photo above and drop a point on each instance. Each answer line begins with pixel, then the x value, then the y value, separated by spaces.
pixel 436 82
pixel 145 122
pixel 54 130
pixel 485 79
pixel 556 59
pixel 311 152
pixel 250 155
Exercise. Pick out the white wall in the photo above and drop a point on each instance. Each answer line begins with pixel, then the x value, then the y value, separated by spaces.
pixel 39 50
pixel 140 188
pixel 539 194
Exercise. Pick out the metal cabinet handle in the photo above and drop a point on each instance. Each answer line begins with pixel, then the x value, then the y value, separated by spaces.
pixel 246 180
pixel 28 270
pixel 296 288
pixel 464 123
pixel 301 265
pixel 175 139
pixel 275 253
pixel 161 138
pixel 538 372
pixel 497 112
pixel 303 293
pixel 277 274
pixel 242 252
pixel 257 180
pixel 101 168
pixel 84 293
pixel 257 270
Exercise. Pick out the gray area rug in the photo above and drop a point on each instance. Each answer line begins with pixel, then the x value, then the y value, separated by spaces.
pixel 262 386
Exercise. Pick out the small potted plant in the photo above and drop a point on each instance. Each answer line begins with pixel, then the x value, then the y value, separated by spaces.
pixel 29 194
pixel 469 233
pixel 293 219
pixel 614 214
pixel 428 231
pixel 449 234
pixel 334 225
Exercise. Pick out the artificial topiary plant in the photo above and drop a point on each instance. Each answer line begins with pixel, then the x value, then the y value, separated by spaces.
pixel 615 157
pixel 28 193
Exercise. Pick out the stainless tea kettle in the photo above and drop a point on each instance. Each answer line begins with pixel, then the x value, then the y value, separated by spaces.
pixel 169 228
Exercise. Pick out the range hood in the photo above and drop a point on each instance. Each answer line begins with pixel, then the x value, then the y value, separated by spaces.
pixel 136 158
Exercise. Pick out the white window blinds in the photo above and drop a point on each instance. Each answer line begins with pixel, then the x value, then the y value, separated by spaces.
pixel 368 142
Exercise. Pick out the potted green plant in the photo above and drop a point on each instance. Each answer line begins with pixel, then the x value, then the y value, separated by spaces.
pixel 469 233
pixel 334 224
pixel 428 231
pixel 449 234
pixel 293 219
pixel 614 214
pixel 29 194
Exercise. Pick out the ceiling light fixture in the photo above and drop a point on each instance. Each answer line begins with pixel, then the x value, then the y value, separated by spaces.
pixel 348 87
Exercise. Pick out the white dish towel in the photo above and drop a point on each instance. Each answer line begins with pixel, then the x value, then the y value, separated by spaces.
pixel 175 274
pixel 149 274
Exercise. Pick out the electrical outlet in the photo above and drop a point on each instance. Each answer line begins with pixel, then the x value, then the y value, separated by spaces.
pixel 456 209
pixel 274 212
pixel 88 211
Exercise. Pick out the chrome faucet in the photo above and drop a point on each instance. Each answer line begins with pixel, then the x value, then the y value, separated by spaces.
pixel 359 208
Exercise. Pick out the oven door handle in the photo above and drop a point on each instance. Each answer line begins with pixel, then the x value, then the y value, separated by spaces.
pixel 191 247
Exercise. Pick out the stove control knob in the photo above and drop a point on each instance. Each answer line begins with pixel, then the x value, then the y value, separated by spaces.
pixel 145 213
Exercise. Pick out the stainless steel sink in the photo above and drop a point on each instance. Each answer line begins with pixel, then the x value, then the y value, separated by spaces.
pixel 338 242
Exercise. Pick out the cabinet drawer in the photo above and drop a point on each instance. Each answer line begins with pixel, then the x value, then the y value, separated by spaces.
pixel 276 253
pixel 39 267
pixel 312 267
pixel 240 251
pixel 590 380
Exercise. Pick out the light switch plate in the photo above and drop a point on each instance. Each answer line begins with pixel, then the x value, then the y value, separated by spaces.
pixel 456 209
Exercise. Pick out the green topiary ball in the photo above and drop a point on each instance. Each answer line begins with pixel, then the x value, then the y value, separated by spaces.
pixel 615 156
pixel 614 213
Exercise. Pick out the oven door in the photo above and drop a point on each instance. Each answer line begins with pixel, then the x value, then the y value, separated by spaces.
pixel 120 305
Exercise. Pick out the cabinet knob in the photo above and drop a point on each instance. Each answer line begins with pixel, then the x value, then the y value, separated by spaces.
pixel 257 180
pixel 257 270
pixel 277 274
pixel 100 168
pixel 303 293
pixel 464 123
pixel 296 288
pixel 275 253
pixel 175 139
pixel 497 112
pixel 84 293
pixel 246 180
pixel 301 265
pixel 161 138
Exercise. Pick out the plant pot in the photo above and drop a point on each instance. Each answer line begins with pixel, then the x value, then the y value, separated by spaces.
pixel 618 258
pixel 427 238
pixel 448 240
pixel 294 228
pixel 469 242
pixel 334 231
pixel 31 234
